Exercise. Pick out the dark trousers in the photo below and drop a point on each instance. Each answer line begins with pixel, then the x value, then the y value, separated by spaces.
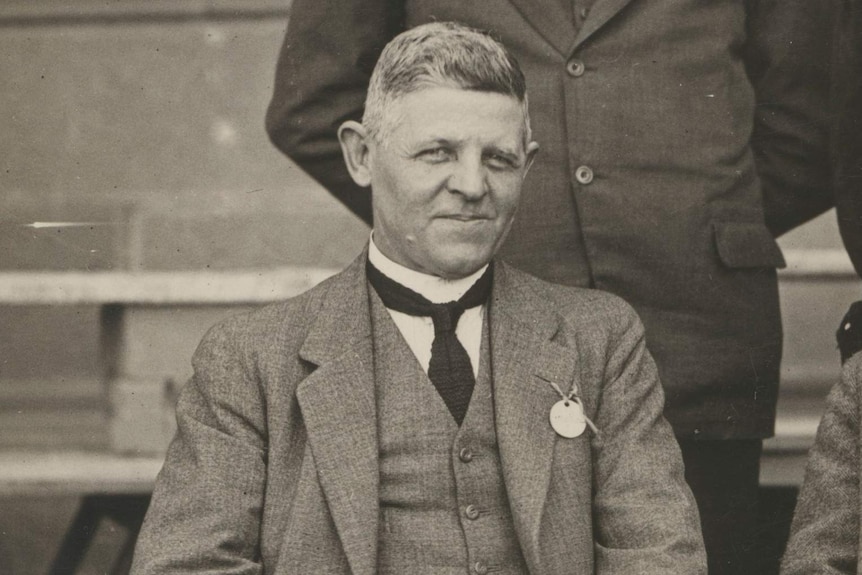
pixel 724 476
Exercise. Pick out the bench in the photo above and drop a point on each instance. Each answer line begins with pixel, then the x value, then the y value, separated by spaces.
pixel 149 324
pixel 139 315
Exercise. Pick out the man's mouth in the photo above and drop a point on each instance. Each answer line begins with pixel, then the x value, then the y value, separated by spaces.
pixel 466 217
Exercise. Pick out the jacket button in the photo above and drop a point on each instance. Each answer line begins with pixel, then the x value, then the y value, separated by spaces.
pixel 480 568
pixel 584 175
pixel 465 455
pixel 471 512
pixel 575 68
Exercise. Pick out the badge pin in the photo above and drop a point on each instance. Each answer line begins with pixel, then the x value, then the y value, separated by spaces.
pixel 567 418
pixel 567 415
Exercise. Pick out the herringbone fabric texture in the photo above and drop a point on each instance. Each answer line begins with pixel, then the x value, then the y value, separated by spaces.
pixel 449 369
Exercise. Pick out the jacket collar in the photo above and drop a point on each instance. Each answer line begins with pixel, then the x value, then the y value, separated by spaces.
pixel 340 413
pixel 339 407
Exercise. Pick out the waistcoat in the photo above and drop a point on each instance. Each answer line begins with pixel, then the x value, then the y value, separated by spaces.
pixel 443 503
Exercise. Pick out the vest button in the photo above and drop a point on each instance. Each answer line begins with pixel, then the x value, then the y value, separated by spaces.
pixel 584 175
pixel 465 455
pixel 471 512
pixel 480 568
pixel 575 68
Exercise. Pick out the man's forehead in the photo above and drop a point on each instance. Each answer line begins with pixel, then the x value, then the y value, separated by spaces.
pixel 455 114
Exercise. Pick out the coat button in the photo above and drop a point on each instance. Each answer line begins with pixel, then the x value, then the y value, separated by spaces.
pixel 480 568
pixel 575 68
pixel 584 175
pixel 471 512
pixel 465 455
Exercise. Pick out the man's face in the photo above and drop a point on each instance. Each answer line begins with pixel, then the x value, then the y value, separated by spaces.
pixel 447 179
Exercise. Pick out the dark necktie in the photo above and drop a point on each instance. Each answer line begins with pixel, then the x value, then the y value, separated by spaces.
pixel 449 369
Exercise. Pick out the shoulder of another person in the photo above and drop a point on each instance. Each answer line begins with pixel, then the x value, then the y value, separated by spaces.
pixel 849 334
pixel 577 305
pixel 287 320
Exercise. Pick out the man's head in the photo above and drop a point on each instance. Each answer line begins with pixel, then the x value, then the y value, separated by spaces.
pixel 444 145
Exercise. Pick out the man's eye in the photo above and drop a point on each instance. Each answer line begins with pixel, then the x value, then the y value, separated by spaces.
pixel 500 162
pixel 435 155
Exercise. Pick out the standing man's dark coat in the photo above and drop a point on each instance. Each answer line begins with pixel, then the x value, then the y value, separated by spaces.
pixel 652 175
pixel 677 138
pixel 847 127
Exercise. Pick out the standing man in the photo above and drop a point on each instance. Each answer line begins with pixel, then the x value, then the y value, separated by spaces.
pixel 846 141
pixel 678 137
pixel 429 410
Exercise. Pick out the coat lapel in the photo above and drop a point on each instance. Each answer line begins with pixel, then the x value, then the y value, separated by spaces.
pixel 339 412
pixel 550 20
pixel 554 23
pixel 600 13
pixel 525 358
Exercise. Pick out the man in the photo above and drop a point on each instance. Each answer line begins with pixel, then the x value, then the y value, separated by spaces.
pixel 825 535
pixel 516 430
pixel 678 136
pixel 846 144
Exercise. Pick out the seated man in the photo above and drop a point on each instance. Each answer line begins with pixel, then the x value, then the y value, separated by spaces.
pixel 429 409
pixel 824 537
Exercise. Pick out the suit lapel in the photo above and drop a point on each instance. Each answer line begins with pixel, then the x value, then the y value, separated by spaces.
pixel 554 22
pixel 339 412
pixel 600 13
pixel 524 360
pixel 550 20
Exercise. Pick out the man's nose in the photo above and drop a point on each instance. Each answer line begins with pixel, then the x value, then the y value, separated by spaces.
pixel 469 178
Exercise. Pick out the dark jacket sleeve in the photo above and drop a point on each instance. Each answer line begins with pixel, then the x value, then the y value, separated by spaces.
pixel 329 51
pixel 788 58
pixel 824 537
pixel 847 127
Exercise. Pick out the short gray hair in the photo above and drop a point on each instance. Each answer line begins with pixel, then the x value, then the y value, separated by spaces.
pixel 441 54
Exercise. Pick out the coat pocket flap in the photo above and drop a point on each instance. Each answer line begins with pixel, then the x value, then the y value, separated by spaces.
pixel 747 245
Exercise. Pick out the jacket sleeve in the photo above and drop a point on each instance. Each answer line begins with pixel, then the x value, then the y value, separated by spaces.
pixel 205 513
pixel 645 517
pixel 847 128
pixel 788 59
pixel 824 536
pixel 326 60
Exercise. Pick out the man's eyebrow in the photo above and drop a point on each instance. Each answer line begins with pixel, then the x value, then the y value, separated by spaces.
pixel 439 140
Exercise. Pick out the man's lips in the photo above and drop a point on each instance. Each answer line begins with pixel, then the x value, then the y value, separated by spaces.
pixel 465 217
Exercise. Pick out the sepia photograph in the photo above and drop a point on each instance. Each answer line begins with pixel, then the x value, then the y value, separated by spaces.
pixel 369 287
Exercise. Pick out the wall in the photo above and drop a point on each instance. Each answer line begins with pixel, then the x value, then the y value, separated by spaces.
pixel 137 128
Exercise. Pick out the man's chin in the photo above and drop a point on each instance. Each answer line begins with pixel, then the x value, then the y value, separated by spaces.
pixel 455 267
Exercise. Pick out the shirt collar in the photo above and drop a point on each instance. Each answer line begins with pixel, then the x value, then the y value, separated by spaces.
pixel 433 288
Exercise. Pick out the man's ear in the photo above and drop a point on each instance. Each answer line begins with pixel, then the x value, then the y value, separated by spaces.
pixel 354 140
pixel 532 149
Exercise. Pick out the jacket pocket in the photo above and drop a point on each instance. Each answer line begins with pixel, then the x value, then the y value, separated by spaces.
pixel 746 245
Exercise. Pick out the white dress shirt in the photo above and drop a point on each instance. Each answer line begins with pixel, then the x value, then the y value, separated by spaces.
pixel 418 331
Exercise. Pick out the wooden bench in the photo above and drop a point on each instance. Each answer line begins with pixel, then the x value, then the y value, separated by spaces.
pixel 806 380
pixel 139 315
pixel 149 324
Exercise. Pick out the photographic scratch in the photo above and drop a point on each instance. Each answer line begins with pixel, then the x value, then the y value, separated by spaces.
pixel 43 225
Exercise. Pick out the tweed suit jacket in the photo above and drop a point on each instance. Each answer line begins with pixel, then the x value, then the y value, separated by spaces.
pixel 825 535
pixel 274 468
pixel 677 136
